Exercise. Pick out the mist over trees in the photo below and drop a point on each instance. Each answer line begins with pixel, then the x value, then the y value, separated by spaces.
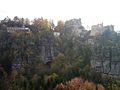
pixel 38 60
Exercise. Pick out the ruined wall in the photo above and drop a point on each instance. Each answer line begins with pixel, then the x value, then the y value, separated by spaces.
pixel 73 27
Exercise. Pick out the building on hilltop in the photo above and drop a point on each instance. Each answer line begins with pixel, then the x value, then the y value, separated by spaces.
pixel 56 33
pixel 73 22
pixel 18 29
pixel 109 27
pixel 73 27
pixel 97 29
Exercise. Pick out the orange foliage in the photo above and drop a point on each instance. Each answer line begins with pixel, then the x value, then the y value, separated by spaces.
pixel 78 84
pixel 89 85
pixel 60 86
pixel 100 87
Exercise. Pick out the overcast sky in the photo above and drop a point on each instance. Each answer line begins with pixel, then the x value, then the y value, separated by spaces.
pixel 90 11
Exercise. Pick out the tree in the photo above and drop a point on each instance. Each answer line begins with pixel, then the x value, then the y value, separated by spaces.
pixel 26 21
pixel 6 52
pixel 41 24
pixel 60 26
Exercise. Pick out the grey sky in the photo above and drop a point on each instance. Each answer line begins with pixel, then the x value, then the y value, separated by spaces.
pixel 90 11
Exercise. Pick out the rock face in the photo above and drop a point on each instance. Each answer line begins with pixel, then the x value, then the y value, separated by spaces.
pixel 73 27
pixel 106 60
pixel 47 47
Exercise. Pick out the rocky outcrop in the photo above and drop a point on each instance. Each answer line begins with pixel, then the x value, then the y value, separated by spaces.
pixel 73 27
pixel 106 60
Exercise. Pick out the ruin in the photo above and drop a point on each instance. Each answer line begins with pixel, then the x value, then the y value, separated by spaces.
pixel 73 27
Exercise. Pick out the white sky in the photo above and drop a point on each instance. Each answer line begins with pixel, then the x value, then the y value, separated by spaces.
pixel 90 11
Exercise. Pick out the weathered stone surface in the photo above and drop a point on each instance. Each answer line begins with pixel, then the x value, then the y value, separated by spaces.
pixel 106 60
pixel 99 29
pixel 73 27
pixel 96 29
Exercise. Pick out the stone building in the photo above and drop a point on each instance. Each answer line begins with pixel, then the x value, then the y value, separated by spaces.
pixel 73 27
pixel 97 29
pixel 109 27
pixel 56 33
pixel 18 30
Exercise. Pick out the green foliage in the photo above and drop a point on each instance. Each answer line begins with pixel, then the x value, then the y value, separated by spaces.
pixel 71 57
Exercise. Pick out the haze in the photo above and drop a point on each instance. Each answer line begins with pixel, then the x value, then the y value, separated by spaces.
pixel 90 11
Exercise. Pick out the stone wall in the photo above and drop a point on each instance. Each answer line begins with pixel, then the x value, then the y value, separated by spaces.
pixel 73 27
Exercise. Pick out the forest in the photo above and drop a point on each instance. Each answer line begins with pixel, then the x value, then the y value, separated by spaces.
pixel 24 65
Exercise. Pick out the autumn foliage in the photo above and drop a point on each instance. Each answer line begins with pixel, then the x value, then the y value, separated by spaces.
pixel 79 84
